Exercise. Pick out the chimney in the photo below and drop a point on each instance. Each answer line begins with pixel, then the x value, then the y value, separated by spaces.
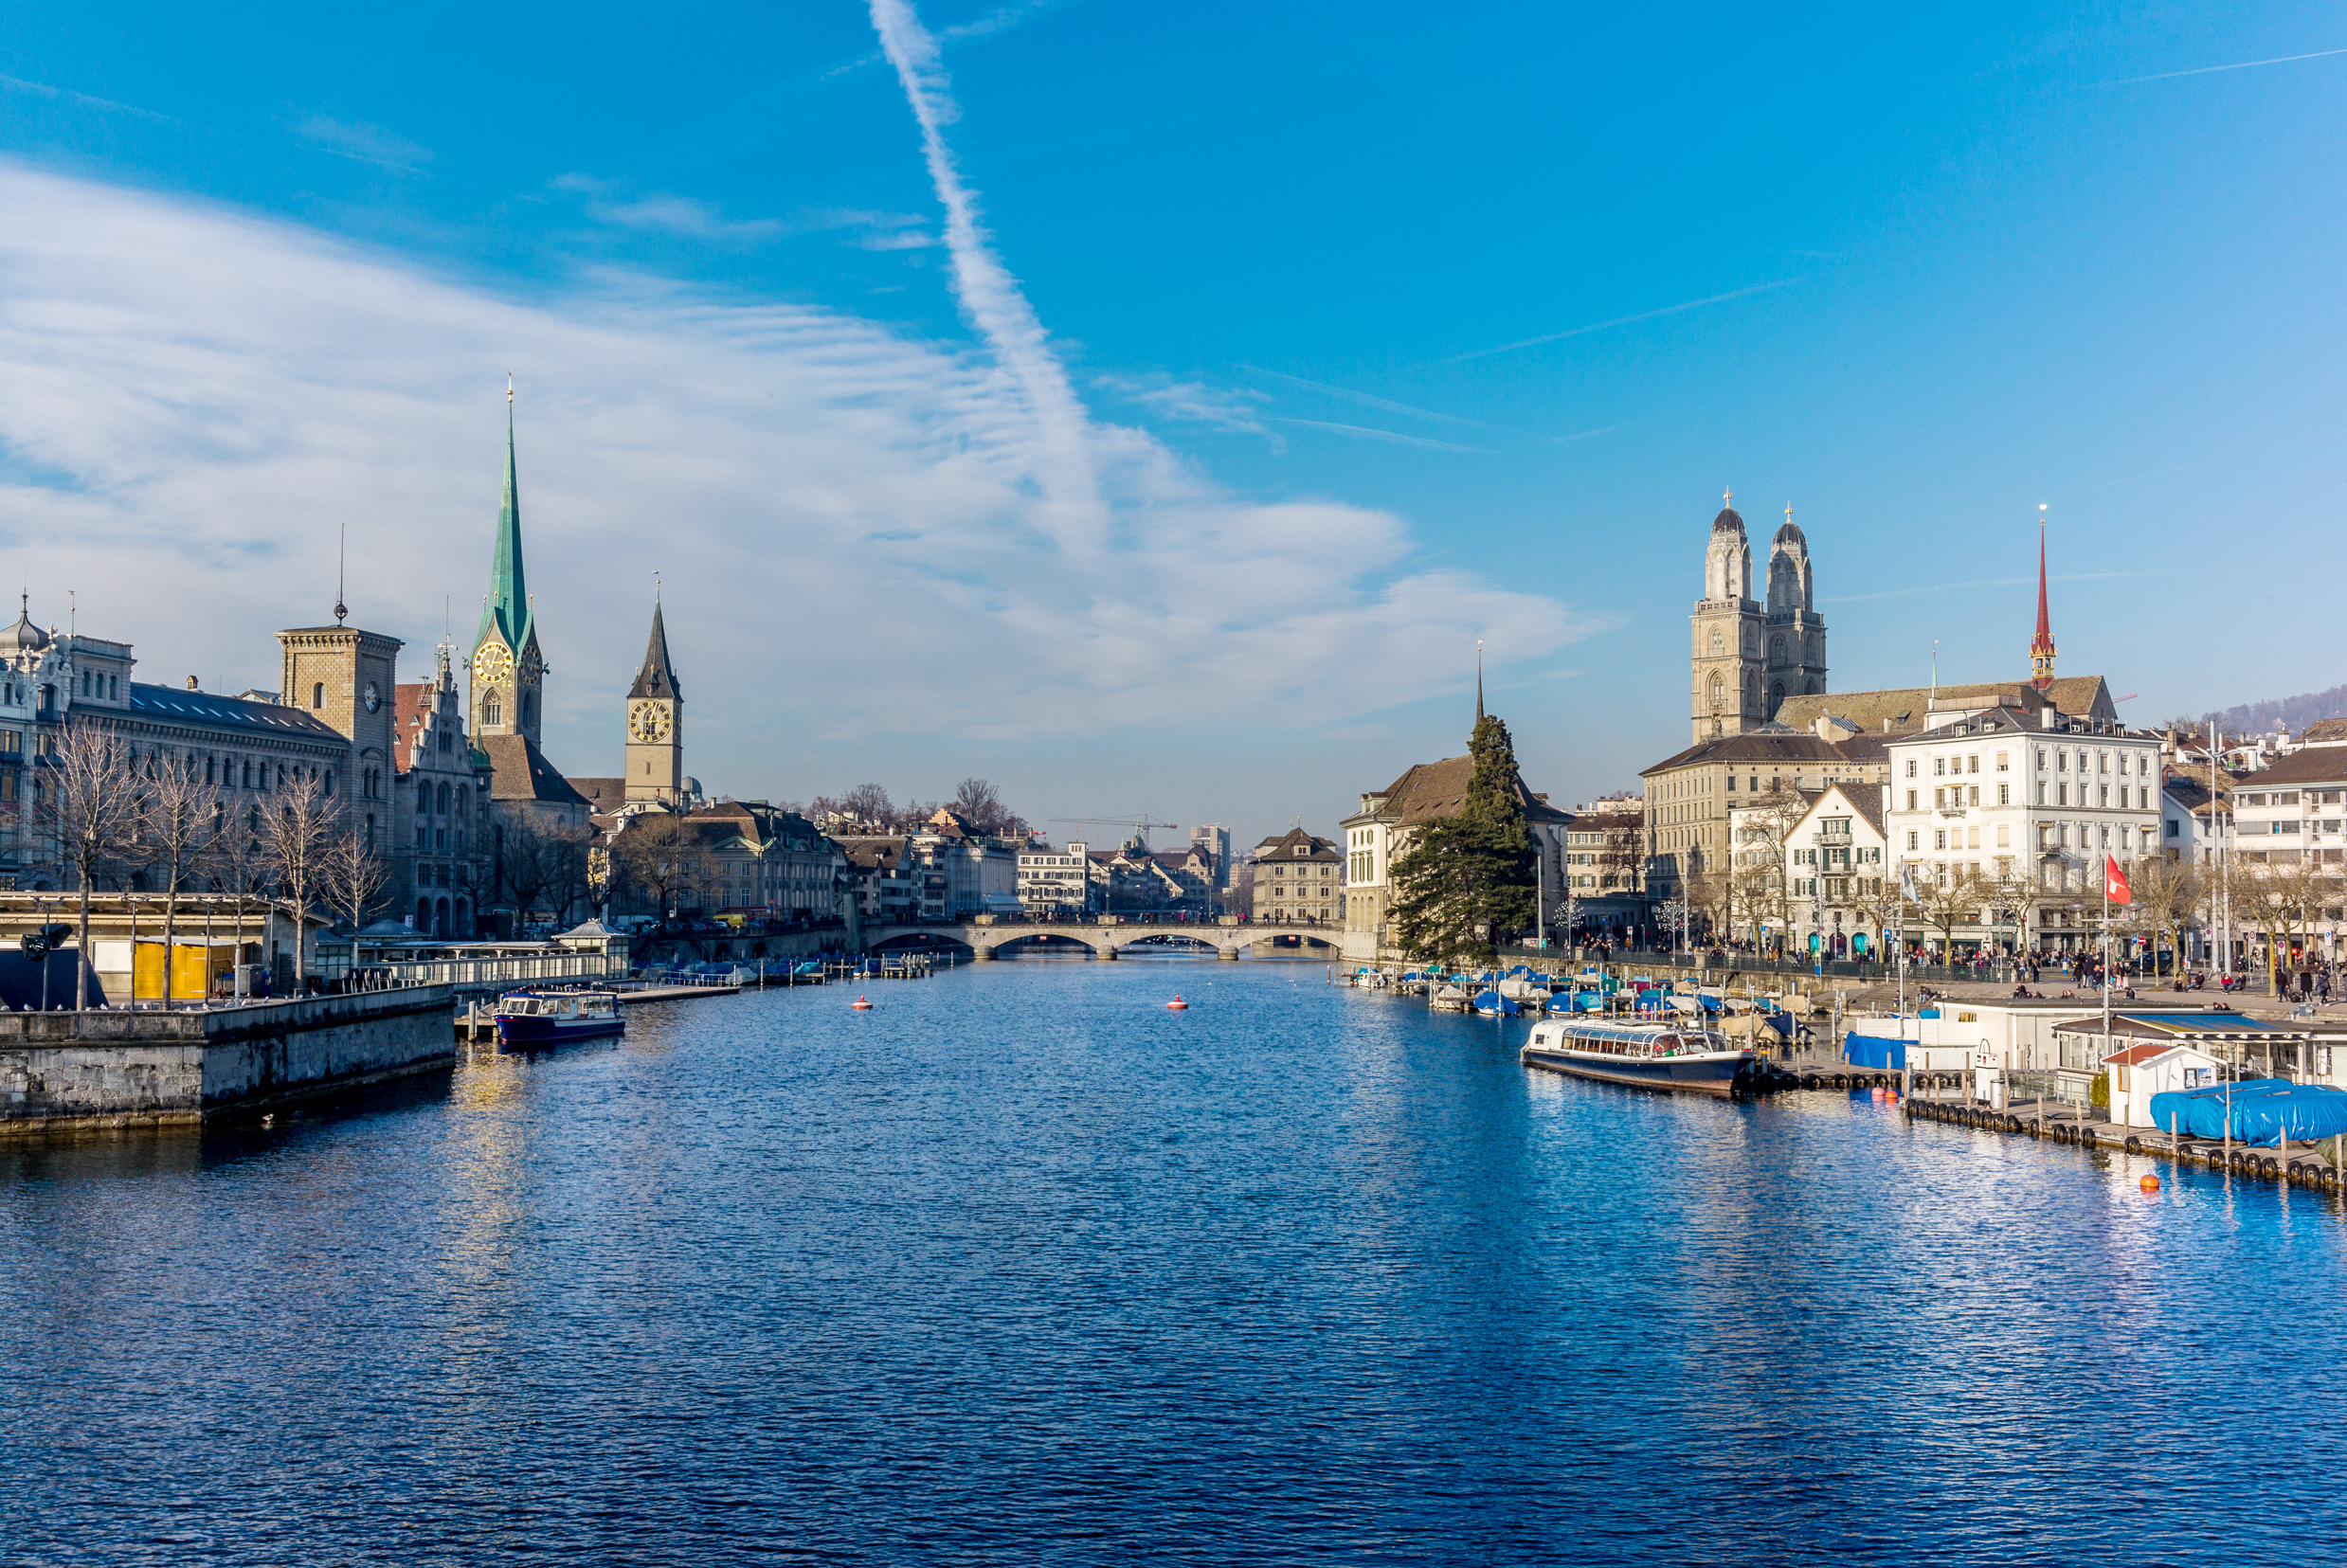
pixel 194 685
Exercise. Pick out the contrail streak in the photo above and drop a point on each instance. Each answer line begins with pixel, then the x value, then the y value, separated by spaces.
pixel 1621 321
pixel 1367 434
pixel 1365 399
pixel 990 297
pixel 2204 70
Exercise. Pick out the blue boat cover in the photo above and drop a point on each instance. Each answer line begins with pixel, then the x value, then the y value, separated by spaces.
pixel 2263 1112
pixel 1874 1051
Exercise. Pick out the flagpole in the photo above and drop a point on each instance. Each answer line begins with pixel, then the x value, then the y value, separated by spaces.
pixel 2109 866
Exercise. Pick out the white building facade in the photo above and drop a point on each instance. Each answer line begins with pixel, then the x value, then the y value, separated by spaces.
pixel 1986 794
pixel 1836 861
pixel 1054 883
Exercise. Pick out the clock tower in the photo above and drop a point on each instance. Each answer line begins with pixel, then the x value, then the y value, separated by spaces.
pixel 509 674
pixel 656 725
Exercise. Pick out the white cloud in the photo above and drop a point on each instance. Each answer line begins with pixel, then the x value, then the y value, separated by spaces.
pixel 1190 401
pixel 862 534
pixel 359 139
pixel 686 215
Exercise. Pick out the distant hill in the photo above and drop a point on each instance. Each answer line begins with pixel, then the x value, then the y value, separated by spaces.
pixel 2291 713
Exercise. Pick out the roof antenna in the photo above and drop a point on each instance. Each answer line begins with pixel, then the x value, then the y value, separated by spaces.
pixel 342 551
pixel 72 612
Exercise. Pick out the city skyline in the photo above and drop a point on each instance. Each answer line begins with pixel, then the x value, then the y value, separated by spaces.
pixel 1146 520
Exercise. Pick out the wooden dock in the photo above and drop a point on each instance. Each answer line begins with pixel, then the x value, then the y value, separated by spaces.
pixel 2302 1163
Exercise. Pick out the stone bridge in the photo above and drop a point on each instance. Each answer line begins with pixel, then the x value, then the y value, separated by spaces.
pixel 1192 937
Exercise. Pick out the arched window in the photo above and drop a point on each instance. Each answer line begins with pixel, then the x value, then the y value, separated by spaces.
pixel 529 707
pixel 1718 692
pixel 1775 649
pixel 318 694
pixel 1775 695
pixel 443 799
pixel 492 711
pixel 1715 642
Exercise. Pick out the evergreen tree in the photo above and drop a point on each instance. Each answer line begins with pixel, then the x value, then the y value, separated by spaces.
pixel 1469 879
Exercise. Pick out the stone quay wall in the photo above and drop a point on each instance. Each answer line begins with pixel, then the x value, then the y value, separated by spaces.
pixel 63 1072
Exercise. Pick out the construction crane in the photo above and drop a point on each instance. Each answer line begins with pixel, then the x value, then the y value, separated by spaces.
pixel 1139 825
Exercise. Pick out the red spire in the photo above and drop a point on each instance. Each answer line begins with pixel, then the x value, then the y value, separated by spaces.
pixel 2041 647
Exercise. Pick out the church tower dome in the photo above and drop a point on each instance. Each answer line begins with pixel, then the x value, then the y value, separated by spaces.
pixel 1727 694
pixel 1796 633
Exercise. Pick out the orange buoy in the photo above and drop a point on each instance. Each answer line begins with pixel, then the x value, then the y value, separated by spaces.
pixel 2150 1183
pixel 859 1005
pixel 1177 1005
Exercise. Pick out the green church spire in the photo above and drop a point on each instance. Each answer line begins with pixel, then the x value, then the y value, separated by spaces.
pixel 508 609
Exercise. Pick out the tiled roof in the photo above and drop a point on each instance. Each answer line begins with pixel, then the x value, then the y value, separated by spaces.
pixel 603 794
pixel 174 705
pixel 1904 708
pixel 522 772
pixel 1297 844
pixel 1794 747
pixel 1428 791
pixel 2312 765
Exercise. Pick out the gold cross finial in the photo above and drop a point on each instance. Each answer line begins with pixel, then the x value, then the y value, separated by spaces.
pixel 1728 497
pixel 509 388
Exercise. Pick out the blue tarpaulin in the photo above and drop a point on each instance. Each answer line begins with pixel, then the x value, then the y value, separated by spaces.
pixel 1876 1051
pixel 2263 1112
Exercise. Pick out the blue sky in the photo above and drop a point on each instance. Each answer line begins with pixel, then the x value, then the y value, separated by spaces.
pixel 1295 348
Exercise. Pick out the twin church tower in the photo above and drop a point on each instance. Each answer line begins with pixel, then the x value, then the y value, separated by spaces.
pixel 1748 657
pixel 509 678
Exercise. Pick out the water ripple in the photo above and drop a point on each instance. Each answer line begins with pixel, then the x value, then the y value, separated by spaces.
pixel 1022 1267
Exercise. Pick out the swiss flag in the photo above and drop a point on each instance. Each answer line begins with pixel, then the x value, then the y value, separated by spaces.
pixel 2115 881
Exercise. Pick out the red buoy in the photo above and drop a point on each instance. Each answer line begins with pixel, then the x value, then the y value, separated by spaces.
pixel 2150 1183
pixel 1177 1005
pixel 859 1005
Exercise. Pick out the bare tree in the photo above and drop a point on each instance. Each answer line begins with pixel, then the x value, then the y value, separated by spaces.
pixel 2013 893
pixel 351 879
pixel 87 810
pixel 569 869
pixel 979 804
pixel 869 803
pixel 524 865
pixel 2165 893
pixel 661 854
pixel 1712 894
pixel 296 832
pixel 1952 902
pixel 179 818
pixel 2281 898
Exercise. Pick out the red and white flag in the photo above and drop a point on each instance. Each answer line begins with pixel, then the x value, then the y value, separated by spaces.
pixel 2115 881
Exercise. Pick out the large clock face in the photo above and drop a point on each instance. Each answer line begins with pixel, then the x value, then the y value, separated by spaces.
pixel 531 668
pixel 492 662
pixel 648 722
pixel 373 698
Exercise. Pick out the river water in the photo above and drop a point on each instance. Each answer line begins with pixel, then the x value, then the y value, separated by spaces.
pixel 1022 1267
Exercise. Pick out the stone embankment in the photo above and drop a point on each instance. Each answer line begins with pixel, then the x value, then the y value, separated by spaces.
pixel 69 1071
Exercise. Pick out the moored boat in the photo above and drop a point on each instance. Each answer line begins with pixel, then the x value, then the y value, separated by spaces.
pixel 1681 1058
pixel 557 1017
